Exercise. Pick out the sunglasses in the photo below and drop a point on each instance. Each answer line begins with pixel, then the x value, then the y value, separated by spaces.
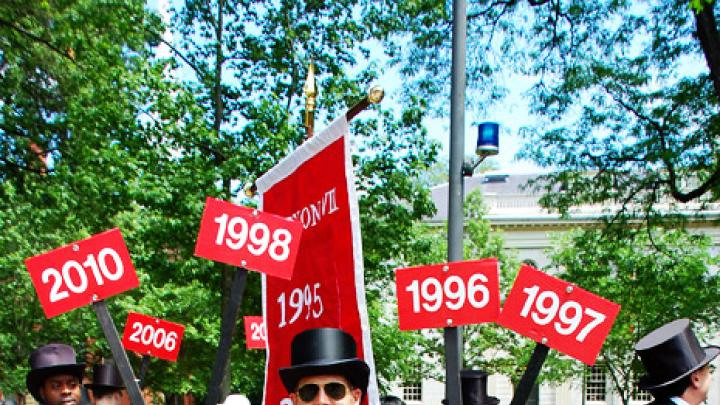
pixel 335 390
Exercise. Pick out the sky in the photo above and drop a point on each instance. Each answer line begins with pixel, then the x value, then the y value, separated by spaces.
pixel 512 114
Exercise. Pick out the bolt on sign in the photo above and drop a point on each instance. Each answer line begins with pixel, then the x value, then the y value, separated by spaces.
pixel 248 238
pixel 558 314
pixel 82 272
pixel 151 336
pixel 315 184
pixel 451 294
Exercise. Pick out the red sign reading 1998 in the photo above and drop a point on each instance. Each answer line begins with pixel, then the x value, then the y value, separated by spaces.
pixel 152 336
pixel 248 238
pixel 452 294
pixel 82 272
pixel 558 314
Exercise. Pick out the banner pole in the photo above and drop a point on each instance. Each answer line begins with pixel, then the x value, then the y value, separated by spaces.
pixel 118 352
pixel 527 382
pixel 227 327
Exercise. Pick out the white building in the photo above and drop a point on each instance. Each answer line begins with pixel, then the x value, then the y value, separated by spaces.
pixel 526 229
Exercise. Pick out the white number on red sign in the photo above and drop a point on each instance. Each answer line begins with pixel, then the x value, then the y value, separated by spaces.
pixel 239 232
pixel 301 299
pixel 258 331
pixel 452 292
pixel 159 338
pixel 547 307
pixel 73 275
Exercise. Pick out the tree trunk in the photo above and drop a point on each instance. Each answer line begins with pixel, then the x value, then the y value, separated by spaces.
pixel 707 33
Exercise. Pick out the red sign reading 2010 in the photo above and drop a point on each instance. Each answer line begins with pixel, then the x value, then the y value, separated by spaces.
pixel 82 272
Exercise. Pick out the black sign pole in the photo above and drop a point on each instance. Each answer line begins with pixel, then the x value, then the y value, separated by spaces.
pixel 232 310
pixel 118 352
pixel 527 382
pixel 143 370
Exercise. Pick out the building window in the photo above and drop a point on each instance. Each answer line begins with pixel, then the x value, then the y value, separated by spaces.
pixel 595 384
pixel 412 392
pixel 640 395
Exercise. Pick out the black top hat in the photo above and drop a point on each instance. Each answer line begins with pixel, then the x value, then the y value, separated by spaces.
pixel 474 388
pixel 49 360
pixel 324 351
pixel 670 353
pixel 106 376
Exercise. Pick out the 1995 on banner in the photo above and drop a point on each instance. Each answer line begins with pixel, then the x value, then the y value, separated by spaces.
pixel 82 272
pixel 558 314
pixel 452 294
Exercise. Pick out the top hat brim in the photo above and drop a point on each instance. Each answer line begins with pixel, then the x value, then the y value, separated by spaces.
pixel 647 384
pixel 355 371
pixel 35 378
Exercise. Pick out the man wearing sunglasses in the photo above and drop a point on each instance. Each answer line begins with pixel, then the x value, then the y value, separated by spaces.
pixel 325 369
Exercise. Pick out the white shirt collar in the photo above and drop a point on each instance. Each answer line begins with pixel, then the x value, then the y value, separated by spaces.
pixel 679 401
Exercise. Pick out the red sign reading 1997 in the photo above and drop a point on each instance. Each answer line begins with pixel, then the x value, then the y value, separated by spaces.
pixel 248 238
pixel 558 314
pixel 82 272
pixel 452 294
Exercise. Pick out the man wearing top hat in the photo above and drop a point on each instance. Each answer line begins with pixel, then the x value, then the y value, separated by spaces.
pixel 55 376
pixel 678 368
pixel 325 369
pixel 106 386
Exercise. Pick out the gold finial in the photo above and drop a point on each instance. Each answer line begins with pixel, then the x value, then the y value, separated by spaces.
pixel 310 94
pixel 375 94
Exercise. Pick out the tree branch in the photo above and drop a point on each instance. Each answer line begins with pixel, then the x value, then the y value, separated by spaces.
pixel 67 55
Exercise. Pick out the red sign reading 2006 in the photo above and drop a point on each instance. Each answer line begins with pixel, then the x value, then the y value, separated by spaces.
pixel 152 336
pixel 558 314
pixel 452 294
pixel 248 238
pixel 82 272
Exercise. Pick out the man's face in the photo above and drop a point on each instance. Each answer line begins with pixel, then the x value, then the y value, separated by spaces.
pixel 61 389
pixel 325 389
pixel 705 378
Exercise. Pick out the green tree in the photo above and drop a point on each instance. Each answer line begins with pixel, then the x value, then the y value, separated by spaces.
pixel 139 144
pixel 661 268
pixel 488 347
pixel 626 92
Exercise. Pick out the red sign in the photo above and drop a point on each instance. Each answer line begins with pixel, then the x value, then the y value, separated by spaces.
pixel 254 332
pixel 558 314
pixel 315 185
pixel 152 336
pixel 248 238
pixel 452 294
pixel 82 272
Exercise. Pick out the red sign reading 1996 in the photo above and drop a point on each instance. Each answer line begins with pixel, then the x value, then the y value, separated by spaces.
pixel 82 272
pixel 452 294
pixel 558 314
pixel 248 238
pixel 152 336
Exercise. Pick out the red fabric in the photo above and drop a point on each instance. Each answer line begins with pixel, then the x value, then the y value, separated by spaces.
pixel 325 257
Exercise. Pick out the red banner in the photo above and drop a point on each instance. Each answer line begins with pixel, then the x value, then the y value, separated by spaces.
pixel 451 294
pixel 82 272
pixel 152 336
pixel 558 314
pixel 315 185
